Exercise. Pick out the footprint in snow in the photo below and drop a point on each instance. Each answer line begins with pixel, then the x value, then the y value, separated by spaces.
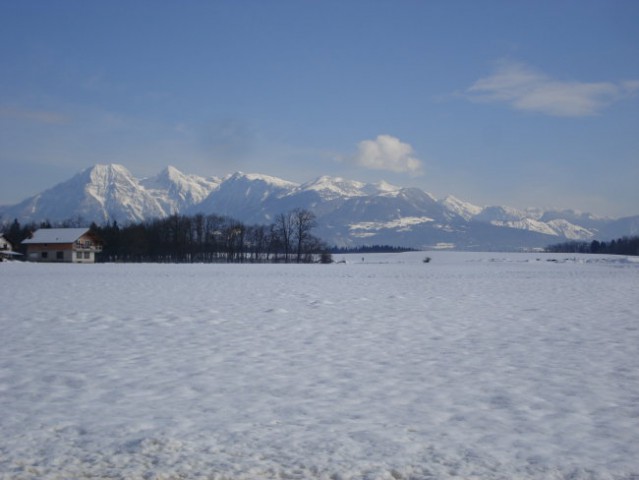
pixel 276 310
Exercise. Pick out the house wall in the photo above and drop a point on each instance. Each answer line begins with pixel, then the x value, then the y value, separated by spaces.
pixel 60 252
pixel 55 254
pixel 83 256
pixel 84 249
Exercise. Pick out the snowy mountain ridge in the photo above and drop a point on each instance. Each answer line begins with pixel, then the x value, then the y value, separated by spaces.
pixel 463 209
pixel 176 191
pixel 348 212
pixel 330 188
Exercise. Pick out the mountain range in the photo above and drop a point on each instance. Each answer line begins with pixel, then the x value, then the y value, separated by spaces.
pixel 349 213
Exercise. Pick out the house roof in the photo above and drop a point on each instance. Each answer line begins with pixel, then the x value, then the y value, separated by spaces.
pixel 56 235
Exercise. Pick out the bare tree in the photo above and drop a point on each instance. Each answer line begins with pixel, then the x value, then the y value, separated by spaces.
pixel 303 223
pixel 284 229
pixel 234 236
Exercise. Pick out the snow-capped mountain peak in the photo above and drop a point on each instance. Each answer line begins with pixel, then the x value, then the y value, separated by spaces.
pixel 173 173
pixel 330 188
pixel 385 187
pixel 265 179
pixel 245 196
pixel 104 173
pixel 100 193
pixel 177 191
pixel 108 182
pixel 459 207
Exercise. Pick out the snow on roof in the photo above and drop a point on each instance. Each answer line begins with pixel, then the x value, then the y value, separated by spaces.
pixel 9 253
pixel 56 235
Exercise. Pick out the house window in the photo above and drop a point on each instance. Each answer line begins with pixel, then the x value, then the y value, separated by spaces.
pixel 87 255
pixel 44 255
pixel 78 255
pixel 59 255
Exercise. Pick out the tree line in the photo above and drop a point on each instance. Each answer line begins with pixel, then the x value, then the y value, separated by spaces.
pixel 372 249
pixel 203 239
pixel 620 246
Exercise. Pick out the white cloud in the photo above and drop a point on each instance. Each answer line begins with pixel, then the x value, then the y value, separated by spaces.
pixel 387 153
pixel 525 88
pixel 630 86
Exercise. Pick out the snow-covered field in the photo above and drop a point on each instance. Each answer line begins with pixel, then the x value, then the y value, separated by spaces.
pixel 473 366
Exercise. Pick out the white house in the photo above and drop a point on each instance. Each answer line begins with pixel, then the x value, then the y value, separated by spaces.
pixel 70 245
pixel 5 245
pixel 6 248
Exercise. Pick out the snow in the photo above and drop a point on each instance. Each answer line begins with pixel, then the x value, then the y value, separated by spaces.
pixel 473 366
pixel 335 187
pixel 56 235
pixel 504 214
pixel 526 224
pixel 331 188
pixel 463 209
pixel 569 230
pixel 266 179
pixel 109 191
pixel 384 186
pixel 554 227
pixel 401 224
pixel 176 191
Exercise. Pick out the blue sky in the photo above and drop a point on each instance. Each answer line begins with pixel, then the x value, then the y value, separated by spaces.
pixel 519 103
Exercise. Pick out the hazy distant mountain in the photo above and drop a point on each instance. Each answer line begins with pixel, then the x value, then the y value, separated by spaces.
pixel 348 212
pixel 620 227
